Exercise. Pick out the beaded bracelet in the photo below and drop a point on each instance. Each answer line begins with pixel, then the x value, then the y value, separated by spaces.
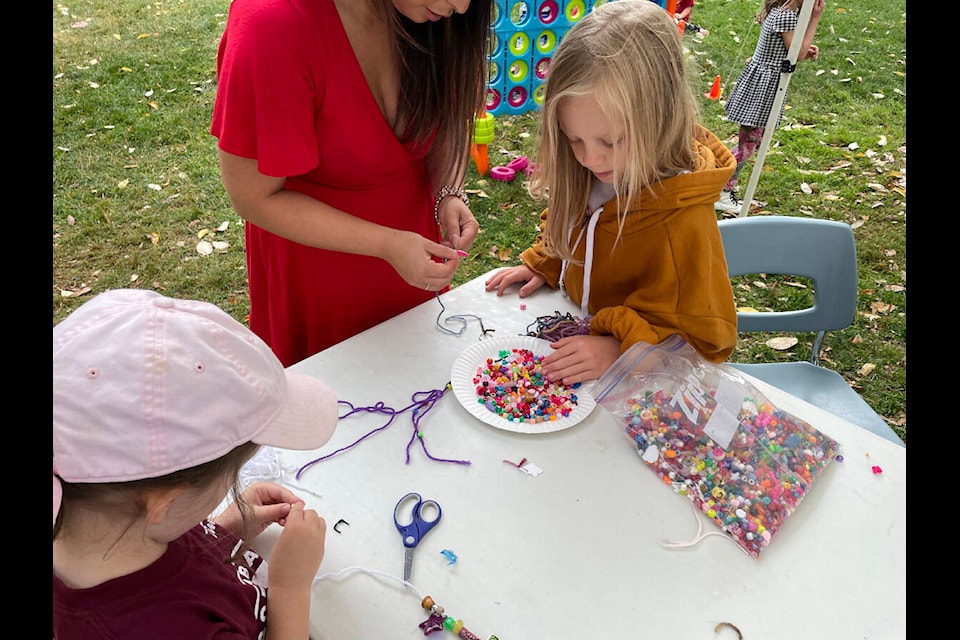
pixel 438 621
pixel 448 190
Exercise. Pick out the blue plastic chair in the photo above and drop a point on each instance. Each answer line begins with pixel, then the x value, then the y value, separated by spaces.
pixel 825 252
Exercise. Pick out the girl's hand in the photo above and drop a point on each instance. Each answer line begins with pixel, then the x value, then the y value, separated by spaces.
pixel 512 275
pixel 295 558
pixel 266 503
pixel 580 358
pixel 813 52
pixel 294 562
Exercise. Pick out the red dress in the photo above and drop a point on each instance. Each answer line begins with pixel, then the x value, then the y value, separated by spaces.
pixel 291 94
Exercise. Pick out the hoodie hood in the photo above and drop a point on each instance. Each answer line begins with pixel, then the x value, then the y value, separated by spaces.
pixel 714 164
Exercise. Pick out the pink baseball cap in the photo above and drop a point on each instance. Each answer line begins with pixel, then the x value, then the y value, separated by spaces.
pixel 145 385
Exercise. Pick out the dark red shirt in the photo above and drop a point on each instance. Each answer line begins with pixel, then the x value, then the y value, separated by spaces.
pixel 191 593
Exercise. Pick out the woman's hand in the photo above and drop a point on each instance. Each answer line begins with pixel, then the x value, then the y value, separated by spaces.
pixel 580 358
pixel 512 275
pixel 422 263
pixel 266 502
pixel 458 225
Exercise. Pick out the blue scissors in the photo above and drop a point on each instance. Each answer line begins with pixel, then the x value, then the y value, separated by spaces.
pixel 416 524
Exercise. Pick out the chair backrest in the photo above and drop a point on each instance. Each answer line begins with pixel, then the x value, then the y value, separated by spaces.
pixel 822 250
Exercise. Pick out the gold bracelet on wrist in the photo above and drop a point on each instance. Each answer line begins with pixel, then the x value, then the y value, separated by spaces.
pixel 445 191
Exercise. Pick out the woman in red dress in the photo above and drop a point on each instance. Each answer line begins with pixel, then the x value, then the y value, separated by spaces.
pixel 343 130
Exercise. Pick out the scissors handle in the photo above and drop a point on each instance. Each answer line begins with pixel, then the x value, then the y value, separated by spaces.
pixel 412 529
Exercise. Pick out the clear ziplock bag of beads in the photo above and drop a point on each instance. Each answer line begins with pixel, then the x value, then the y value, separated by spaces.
pixel 714 438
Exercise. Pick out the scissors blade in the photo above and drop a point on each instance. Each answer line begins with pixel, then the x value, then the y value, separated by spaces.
pixel 407 563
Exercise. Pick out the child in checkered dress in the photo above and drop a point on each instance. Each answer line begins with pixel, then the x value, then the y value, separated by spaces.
pixel 752 98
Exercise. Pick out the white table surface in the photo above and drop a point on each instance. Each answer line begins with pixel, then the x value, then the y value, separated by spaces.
pixel 576 552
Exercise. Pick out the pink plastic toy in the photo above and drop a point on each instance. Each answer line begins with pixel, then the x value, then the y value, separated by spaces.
pixel 509 172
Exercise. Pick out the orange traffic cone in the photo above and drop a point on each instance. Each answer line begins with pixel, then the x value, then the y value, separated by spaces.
pixel 671 7
pixel 480 158
pixel 681 26
pixel 714 90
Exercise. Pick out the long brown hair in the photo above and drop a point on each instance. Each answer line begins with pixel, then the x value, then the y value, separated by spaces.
pixel 442 81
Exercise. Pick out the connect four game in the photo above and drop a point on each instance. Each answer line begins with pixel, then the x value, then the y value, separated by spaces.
pixel 525 35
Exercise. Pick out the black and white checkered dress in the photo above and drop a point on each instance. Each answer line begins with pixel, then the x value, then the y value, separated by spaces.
pixel 752 98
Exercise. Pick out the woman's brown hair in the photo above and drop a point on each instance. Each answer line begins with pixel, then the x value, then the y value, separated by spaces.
pixel 442 83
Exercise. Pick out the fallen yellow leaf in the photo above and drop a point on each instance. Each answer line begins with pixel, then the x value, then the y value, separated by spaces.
pixel 881 307
pixel 782 343
pixel 866 368
pixel 66 293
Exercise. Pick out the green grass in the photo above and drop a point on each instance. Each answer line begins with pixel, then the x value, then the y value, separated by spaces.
pixel 136 183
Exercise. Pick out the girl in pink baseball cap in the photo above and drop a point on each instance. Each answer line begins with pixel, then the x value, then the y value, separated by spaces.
pixel 157 404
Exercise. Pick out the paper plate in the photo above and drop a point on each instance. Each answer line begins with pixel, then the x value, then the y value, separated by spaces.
pixel 465 368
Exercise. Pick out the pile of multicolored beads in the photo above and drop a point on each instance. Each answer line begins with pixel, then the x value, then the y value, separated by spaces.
pixel 748 489
pixel 513 387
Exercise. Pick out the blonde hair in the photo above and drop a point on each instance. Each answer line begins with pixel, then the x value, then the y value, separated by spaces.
pixel 628 56
pixel 767 6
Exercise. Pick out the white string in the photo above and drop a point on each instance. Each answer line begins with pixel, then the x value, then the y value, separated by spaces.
pixel 670 544
pixel 265 466
pixel 589 224
pixel 588 260
pixel 373 572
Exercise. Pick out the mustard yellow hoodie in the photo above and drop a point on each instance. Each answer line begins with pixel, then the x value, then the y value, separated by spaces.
pixel 668 274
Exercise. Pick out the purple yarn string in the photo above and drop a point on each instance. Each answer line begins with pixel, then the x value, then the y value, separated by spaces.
pixel 557 326
pixel 426 405
pixel 422 400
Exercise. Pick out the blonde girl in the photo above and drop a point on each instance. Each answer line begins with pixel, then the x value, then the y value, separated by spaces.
pixel 630 232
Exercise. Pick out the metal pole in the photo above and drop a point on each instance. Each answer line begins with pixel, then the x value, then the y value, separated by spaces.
pixel 786 71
